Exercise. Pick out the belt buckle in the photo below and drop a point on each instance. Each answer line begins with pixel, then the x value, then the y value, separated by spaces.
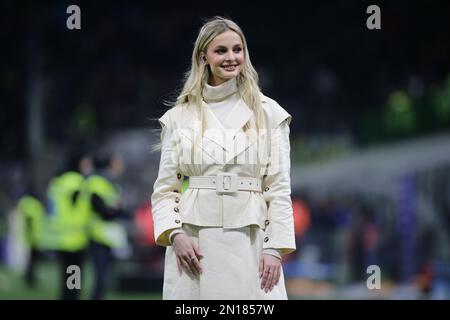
pixel 226 183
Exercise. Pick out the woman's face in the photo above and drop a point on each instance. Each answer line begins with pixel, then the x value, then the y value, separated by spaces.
pixel 225 56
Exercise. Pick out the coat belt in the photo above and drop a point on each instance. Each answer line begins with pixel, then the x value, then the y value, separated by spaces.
pixel 225 183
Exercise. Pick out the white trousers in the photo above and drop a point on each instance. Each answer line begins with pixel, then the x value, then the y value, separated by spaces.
pixel 230 267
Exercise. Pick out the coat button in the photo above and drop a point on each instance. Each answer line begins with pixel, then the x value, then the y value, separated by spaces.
pixel 179 176
pixel 267 222
pixel 266 189
pixel 266 239
pixel 177 200
pixel 176 209
pixel 177 221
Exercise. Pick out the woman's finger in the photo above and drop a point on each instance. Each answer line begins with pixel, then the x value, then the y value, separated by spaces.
pixel 187 268
pixel 196 259
pixel 190 262
pixel 196 265
pixel 179 265
pixel 261 266
pixel 265 277
pixel 197 251
pixel 269 279
pixel 277 275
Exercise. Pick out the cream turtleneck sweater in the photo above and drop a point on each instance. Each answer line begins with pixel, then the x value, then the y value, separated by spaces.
pixel 221 99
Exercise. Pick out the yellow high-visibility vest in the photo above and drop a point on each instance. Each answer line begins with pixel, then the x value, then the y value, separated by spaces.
pixel 109 233
pixel 68 223
pixel 34 213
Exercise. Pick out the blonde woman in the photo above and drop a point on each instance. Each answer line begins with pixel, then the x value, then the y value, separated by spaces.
pixel 226 234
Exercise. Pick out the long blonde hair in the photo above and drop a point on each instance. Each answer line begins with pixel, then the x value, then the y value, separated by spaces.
pixel 198 75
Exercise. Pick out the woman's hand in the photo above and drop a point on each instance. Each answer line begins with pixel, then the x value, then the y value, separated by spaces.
pixel 188 254
pixel 269 271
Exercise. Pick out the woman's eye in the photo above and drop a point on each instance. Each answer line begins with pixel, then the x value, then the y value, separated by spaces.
pixel 237 50
pixel 221 51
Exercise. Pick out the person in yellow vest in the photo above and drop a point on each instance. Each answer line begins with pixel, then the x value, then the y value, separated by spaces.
pixel 33 212
pixel 106 231
pixel 67 222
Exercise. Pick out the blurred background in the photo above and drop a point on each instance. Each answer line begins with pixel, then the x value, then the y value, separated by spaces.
pixel 370 136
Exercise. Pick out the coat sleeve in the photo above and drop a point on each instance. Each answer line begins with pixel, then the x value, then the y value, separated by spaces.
pixel 167 187
pixel 279 232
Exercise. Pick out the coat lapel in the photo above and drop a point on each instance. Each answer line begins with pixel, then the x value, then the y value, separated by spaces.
pixel 238 140
pixel 228 137
pixel 214 129
pixel 213 143
pixel 237 118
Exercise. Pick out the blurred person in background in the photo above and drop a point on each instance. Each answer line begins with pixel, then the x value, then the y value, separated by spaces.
pixel 101 198
pixel 225 235
pixel 34 214
pixel 68 223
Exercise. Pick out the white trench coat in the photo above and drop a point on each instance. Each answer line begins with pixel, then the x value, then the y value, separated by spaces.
pixel 230 229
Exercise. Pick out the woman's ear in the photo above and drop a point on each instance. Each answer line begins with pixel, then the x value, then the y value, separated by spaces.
pixel 203 58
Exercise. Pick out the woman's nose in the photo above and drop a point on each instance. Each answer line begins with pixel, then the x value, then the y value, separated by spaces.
pixel 229 56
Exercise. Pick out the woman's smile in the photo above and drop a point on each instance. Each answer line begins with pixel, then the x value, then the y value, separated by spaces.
pixel 230 68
